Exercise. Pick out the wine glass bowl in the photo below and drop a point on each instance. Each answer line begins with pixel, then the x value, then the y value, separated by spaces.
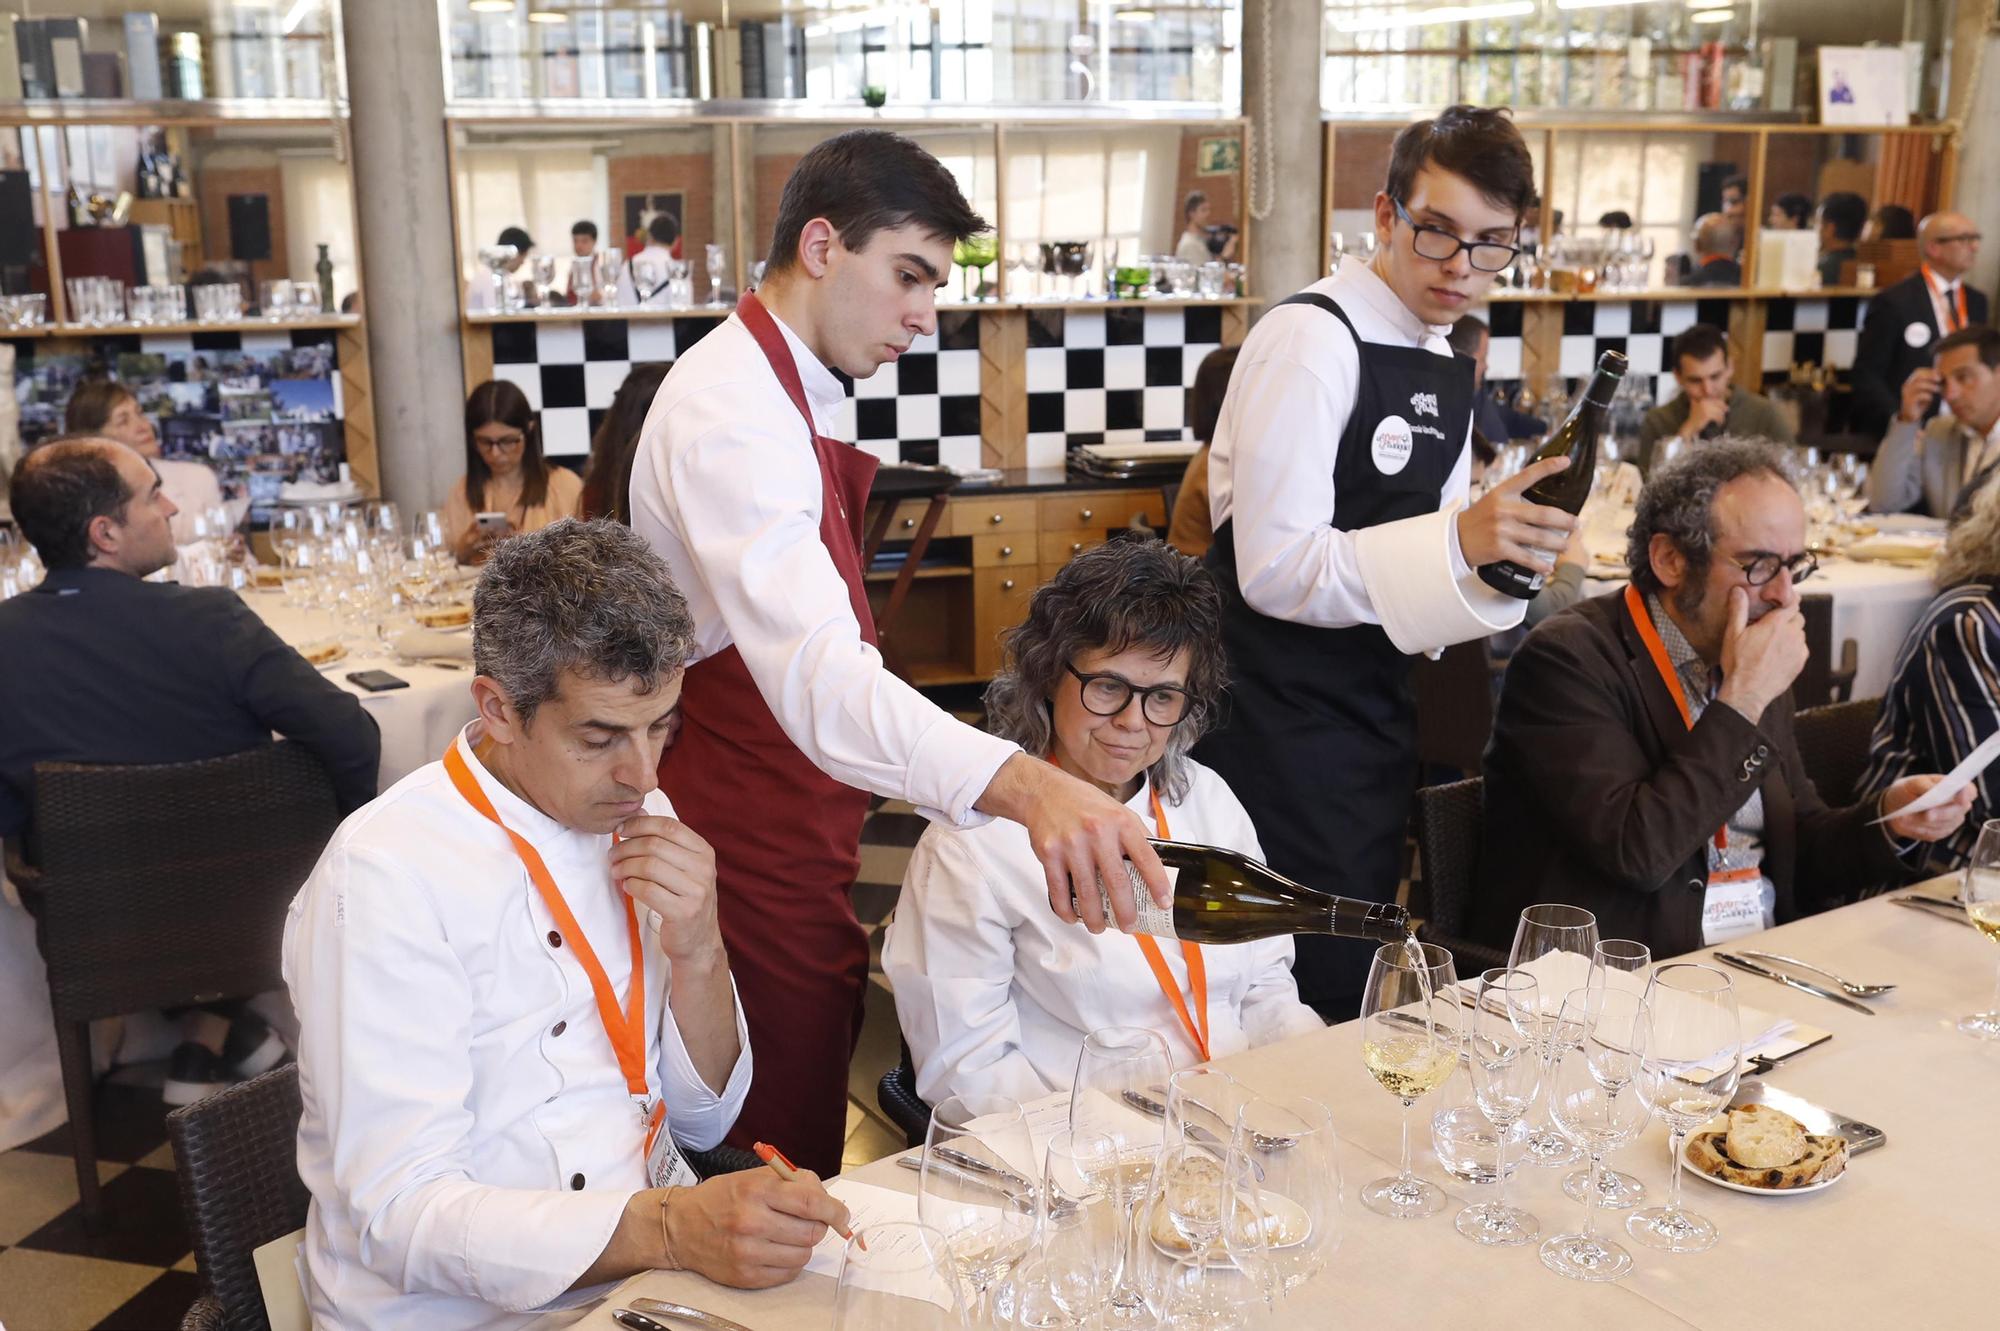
pixel 1116 1061
pixel 897 1277
pixel 1410 1046
pixel 975 1187
pixel 1980 892
pixel 1555 943
pixel 1688 1043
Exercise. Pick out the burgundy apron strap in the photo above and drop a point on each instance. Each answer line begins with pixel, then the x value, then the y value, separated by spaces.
pixel 771 340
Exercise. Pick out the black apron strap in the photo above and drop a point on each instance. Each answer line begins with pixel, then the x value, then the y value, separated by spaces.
pixel 1326 303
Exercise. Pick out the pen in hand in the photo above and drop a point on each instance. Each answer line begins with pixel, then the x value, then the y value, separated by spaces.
pixel 789 1172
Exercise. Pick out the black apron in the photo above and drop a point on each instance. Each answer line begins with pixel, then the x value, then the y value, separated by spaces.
pixel 1320 735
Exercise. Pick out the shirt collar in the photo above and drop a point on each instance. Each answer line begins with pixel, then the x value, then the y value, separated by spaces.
pixel 519 815
pixel 1359 281
pixel 823 387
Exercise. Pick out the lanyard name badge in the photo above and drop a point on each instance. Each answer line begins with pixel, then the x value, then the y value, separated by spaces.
pixel 1197 1025
pixel 1734 903
pixel 626 1029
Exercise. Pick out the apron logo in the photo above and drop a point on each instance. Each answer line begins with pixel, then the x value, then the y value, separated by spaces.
pixel 1917 335
pixel 1423 404
pixel 1392 445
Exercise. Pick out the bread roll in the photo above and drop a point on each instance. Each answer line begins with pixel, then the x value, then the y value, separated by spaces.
pixel 1761 1137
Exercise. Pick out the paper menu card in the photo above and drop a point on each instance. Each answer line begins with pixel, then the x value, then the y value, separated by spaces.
pixel 907 1271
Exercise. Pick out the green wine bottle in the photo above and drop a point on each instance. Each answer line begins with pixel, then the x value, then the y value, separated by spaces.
pixel 1224 896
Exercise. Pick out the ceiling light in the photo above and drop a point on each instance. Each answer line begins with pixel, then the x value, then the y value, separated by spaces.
pixel 546 16
pixel 1134 16
pixel 1606 4
pixel 492 6
pixel 1712 16
pixel 1425 18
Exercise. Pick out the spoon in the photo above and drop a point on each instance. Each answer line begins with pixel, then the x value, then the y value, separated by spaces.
pixel 1852 989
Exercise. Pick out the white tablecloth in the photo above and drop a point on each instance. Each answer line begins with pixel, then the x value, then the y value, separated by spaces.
pixel 1901 1241
pixel 417 723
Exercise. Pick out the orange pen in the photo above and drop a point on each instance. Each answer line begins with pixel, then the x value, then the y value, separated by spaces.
pixel 789 1172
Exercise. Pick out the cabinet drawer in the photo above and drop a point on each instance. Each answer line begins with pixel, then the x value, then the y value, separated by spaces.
pixel 1005 551
pixel 903 523
pixel 987 517
pixel 999 602
pixel 1103 509
pixel 1059 547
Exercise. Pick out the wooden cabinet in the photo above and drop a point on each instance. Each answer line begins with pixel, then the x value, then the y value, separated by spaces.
pixel 988 516
pixel 999 602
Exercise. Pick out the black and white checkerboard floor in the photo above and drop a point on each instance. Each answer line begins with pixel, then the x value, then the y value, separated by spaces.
pixel 140 1272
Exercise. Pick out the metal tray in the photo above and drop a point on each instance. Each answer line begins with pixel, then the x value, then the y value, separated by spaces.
pixel 1860 1136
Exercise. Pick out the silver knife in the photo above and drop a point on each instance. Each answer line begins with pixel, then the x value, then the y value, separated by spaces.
pixel 1804 987
pixel 1932 906
pixel 681 1312
pixel 1194 1132
pixel 965 1160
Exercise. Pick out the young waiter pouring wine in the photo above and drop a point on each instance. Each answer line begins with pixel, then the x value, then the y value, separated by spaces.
pixel 1344 544
pixel 789 717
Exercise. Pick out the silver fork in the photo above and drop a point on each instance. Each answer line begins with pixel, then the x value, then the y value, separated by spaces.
pixel 1852 989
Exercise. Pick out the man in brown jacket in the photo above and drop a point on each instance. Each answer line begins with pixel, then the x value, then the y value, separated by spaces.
pixel 1642 763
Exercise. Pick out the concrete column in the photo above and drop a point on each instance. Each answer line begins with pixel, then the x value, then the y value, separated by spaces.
pixel 409 284
pixel 1978 109
pixel 1286 167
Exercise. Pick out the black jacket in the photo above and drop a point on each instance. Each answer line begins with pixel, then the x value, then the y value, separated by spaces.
pixel 1598 795
pixel 99 667
pixel 1884 358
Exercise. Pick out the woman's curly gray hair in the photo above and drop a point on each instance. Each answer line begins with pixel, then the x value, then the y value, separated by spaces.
pixel 584 596
pixel 1679 502
pixel 1125 593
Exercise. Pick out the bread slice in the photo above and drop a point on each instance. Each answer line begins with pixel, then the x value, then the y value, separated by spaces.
pixel 1761 1137
pixel 1824 1159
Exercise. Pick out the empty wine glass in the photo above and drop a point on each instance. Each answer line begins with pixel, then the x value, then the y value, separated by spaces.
pixel 718 268
pixel 583 280
pixel 1114 1062
pixel 897 1277
pixel 1201 1107
pixel 976 1187
pixel 1620 963
pixel 1077 1247
pixel 1504 1056
pixel 1293 1142
pixel 1981 894
pixel 1583 1097
pixel 1205 1212
pixel 1409 1043
pixel 1688 1040
pixel 1555 943
pixel 1613 1012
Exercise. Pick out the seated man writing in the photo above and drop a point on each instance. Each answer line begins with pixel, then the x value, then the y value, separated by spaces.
pixel 513 999
pixel 1113 676
pixel 1642 764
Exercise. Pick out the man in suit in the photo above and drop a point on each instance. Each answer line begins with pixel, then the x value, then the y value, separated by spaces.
pixel 1900 334
pixel 1643 764
pixel 99 666
pixel 1842 215
pixel 1710 403
pixel 1717 241
pixel 1942 466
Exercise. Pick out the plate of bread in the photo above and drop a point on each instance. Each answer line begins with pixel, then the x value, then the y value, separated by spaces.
pixel 323 653
pixel 1285 1224
pixel 455 615
pixel 1765 1150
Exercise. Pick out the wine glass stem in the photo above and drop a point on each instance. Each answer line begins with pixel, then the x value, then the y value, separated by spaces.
pixel 1500 1161
pixel 1406 1172
pixel 1674 1188
pixel 1590 1199
pixel 1994 1007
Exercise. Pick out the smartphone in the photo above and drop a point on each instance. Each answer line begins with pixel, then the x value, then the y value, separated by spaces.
pixel 491 522
pixel 376 681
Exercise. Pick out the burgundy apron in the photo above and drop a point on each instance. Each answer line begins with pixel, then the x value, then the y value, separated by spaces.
pixel 787 841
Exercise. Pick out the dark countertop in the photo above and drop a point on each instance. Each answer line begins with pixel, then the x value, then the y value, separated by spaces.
pixel 1041 480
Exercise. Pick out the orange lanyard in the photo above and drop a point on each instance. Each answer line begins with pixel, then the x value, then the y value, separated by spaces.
pixel 1954 308
pixel 1197 968
pixel 1636 603
pixel 627 1029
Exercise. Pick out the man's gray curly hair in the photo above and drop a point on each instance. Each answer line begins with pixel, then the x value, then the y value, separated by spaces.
pixel 584 596
pixel 1679 501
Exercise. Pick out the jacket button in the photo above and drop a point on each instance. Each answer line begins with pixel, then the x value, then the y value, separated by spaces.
pixel 1763 750
pixel 555 938
pixel 559 1028
pixel 1696 885
pixel 576 1182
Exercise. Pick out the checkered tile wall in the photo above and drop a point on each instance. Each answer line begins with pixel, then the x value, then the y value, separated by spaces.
pixel 923 408
pixel 1816 331
pixel 1112 376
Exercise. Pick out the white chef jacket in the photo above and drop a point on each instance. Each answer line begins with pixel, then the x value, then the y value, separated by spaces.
pixel 1270 467
pixel 628 291
pixel 995 994
pixel 468 1139
pixel 726 488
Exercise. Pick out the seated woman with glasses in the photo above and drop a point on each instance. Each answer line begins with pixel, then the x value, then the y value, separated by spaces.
pixel 508 486
pixel 1115 673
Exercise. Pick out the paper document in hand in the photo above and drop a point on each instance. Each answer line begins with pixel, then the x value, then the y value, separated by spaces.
pixel 868 1207
pixel 1957 779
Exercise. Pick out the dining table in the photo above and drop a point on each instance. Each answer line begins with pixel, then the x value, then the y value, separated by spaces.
pixel 1883 1246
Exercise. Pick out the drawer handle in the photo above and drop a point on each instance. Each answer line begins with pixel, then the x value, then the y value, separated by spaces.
pixel 995 519
pixel 1086 515
pixel 1006 550
pixel 1007 586
pixel 909 523
pixel 1076 548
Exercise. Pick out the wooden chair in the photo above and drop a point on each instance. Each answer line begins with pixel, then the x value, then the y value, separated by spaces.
pixel 1451 819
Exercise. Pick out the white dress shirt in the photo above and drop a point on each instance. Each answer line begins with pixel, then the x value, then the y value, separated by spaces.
pixel 1981 453
pixel 1270 467
pixel 659 295
pixel 726 487
pixel 995 994
pixel 468 1138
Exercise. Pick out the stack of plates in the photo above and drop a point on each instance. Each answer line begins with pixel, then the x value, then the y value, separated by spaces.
pixel 1163 461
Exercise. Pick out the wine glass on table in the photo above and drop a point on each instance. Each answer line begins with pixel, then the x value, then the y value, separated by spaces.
pixel 1612 1015
pixel 1617 965
pixel 897 1277
pixel 1410 1045
pixel 1981 897
pixel 1206 1213
pixel 1115 1062
pixel 1293 1142
pixel 1688 1042
pixel 1067 1276
pixel 976 1187
pixel 1201 1107
pixel 1555 943
pixel 1584 1085
pixel 1504 1057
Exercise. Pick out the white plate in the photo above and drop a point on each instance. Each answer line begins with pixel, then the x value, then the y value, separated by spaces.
pixel 1820 1186
pixel 1287 1220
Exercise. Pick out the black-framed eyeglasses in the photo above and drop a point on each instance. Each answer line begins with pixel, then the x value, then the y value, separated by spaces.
pixel 1760 569
pixel 1440 246
pixel 1108 695
pixel 506 443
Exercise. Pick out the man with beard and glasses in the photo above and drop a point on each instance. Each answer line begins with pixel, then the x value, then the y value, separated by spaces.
pixel 1643 764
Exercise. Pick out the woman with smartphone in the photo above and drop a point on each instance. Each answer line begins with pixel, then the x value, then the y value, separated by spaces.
pixel 508 486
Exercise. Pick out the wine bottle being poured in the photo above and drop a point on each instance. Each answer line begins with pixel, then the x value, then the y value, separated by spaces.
pixel 1576 439
pixel 1224 896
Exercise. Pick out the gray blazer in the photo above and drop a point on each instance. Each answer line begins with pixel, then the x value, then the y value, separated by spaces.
pixel 1919 469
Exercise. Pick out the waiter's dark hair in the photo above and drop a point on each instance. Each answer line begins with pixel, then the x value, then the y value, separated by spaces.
pixel 1984 336
pixel 1133 591
pixel 60 488
pixel 864 181
pixel 1477 142
pixel 589 597
pixel 1679 503
pixel 1697 342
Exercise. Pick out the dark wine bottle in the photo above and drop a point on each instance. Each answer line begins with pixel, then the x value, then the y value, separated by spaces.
pixel 1224 896
pixel 1576 439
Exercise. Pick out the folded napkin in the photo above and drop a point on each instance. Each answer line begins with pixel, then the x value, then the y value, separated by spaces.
pixel 418 643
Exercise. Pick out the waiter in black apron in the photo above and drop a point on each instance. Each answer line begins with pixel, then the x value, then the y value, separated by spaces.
pixel 1339 476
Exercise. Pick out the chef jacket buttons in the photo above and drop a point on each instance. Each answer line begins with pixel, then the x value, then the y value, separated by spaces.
pixel 559 1028
pixel 555 938
pixel 576 1182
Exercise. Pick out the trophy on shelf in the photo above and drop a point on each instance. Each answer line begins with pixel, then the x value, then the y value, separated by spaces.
pixel 499 261
pixel 610 265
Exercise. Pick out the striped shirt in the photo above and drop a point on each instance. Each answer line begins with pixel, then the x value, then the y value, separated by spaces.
pixel 1943 701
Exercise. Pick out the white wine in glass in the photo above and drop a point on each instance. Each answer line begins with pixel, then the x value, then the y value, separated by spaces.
pixel 977 1187
pixel 1410 1045
pixel 1981 895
